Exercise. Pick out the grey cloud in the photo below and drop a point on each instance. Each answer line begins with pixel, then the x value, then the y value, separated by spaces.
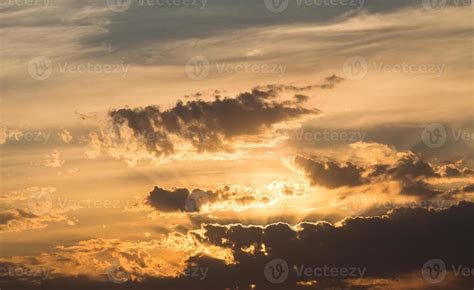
pixel 141 25
pixel 410 170
pixel 329 173
pixel 209 125
pixel 184 200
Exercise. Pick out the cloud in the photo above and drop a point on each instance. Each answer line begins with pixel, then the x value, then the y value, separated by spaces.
pixel 224 125
pixel 30 209
pixel 442 233
pixel 208 125
pixel 223 198
pixel 237 254
pixel 407 168
pixel 329 173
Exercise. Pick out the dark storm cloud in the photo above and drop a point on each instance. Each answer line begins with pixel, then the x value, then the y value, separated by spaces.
pixel 329 173
pixel 421 235
pixel 387 247
pixel 408 166
pixel 209 125
pixel 165 200
pixel 184 200
pixel 451 170
pixel 468 188
pixel 410 170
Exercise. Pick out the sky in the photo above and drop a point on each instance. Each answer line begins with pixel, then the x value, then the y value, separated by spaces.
pixel 265 144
